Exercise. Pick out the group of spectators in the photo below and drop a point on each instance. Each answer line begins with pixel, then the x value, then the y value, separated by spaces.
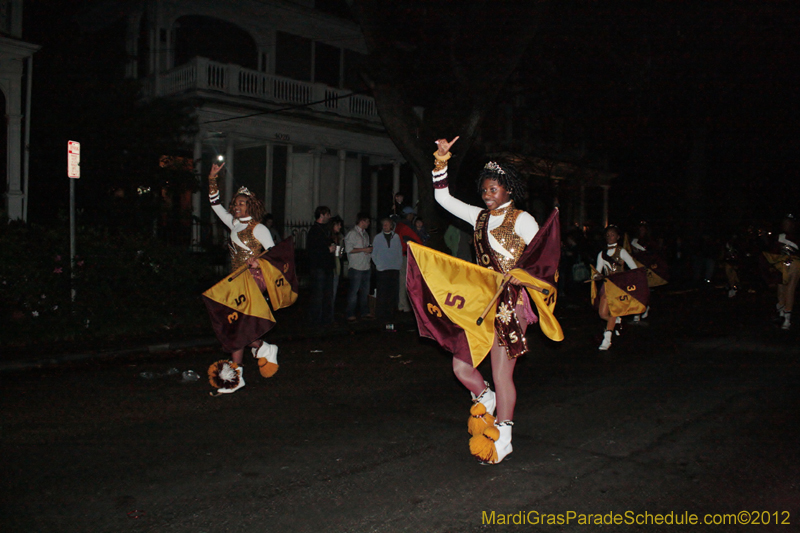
pixel 327 247
pixel 734 258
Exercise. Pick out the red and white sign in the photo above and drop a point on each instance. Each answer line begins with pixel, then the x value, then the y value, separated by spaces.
pixel 74 159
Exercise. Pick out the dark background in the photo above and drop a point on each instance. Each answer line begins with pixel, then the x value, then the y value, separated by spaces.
pixel 693 105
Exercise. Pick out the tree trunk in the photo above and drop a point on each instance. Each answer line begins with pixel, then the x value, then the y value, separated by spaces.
pixel 454 76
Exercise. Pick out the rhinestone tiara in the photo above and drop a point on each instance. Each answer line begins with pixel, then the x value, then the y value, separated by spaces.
pixel 494 167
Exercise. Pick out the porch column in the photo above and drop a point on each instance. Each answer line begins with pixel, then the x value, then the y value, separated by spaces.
pixel 287 199
pixel 268 177
pixel 317 153
pixel 26 144
pixel 342 180
pixel 14 194
pixel 230 150
pixel 395 177
pixel 196 196
pixel 373 200
pixel 132 46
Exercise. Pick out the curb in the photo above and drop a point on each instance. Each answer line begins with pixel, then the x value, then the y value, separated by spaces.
pixel 69 358
pixel 45 362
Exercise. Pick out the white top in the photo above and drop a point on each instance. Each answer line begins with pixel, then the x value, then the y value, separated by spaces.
pixel 635 244
pixel 604 267
pixel 525 226
pixel 260 231
pixel 357 238
pixel 786 242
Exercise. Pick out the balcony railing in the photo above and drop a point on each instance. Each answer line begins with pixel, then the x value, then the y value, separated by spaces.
pixel 206 75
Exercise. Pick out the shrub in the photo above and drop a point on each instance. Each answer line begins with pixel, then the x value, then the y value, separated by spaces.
pixel 124 285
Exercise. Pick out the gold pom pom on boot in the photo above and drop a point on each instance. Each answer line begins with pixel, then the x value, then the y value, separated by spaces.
pixel 479 419
pixel 494 445
pixel 482 446
pixel 239 385
pixel 226 376
pixel 482 411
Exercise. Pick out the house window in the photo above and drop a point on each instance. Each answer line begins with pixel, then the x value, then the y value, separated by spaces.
pixel 353 62
pixel 214 39
pixel 293 56
pixel 327 60
pixel 5 16
pixel 334 7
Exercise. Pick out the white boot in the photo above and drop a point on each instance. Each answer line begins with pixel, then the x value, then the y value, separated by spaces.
pixel 503 444
pixel 618 326
pixel 487 398
pixel 606 344
pixel 267 351
pixel 267 355
pixel 787 320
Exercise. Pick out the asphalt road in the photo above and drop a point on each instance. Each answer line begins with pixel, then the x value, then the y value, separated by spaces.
pixel 693 415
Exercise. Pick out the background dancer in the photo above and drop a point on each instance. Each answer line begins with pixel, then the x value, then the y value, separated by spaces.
pixel 787 261
pixel 609 261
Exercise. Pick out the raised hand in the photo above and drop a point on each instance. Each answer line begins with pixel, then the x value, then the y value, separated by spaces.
pixel 215 168
pixel 444 145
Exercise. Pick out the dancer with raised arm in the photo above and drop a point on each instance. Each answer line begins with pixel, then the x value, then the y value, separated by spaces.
pixel 501 233
pixel 248 239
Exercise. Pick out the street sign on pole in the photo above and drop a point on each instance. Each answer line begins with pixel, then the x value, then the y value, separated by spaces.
pixel 73 171
pixel 74 159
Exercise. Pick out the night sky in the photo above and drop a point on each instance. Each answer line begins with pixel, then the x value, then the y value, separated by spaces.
pixel 674 88
pixel 669 95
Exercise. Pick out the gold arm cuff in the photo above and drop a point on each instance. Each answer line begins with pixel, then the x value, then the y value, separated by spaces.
pixel 213 186
pixel 442 158
pixel 439 165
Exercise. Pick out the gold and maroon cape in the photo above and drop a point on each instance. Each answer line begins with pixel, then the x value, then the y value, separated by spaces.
pixel 655 265
pixel 781 263
pixel 448 294
pixel 627 293
pixel 239 312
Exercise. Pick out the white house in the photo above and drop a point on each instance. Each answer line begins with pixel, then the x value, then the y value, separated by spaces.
pixel 16 63
pixel 276 92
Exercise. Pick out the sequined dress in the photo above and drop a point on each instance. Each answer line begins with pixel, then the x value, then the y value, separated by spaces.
pixel 248 237
pixel 500 237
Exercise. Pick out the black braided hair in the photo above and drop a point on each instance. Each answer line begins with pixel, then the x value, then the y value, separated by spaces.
pixel 509 179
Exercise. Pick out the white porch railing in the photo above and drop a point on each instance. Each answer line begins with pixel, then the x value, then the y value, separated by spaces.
pixel 203 74
pixel 299 230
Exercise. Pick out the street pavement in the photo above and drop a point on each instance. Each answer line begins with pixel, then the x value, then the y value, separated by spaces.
pixel 693 415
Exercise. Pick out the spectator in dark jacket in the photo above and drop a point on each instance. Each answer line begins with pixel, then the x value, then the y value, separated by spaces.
pixel 320 248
